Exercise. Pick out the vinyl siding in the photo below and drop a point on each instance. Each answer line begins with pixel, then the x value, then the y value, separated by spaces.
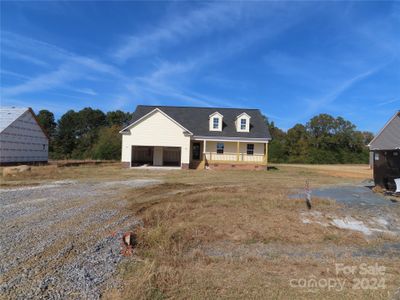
pixel 155 130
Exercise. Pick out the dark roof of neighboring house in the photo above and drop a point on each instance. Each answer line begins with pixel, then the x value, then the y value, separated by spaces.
pixel 389 137
pixel 196 120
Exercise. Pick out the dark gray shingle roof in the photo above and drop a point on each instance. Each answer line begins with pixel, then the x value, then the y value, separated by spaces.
pixel 389 137
pixel 196 119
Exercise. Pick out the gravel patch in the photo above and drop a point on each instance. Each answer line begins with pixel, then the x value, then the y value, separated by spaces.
pixel 363 210
pixel 63 239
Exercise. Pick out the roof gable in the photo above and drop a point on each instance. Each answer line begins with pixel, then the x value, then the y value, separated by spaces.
pixel 243 115
pixel 216 113
pixel 196 120
pixel 150 114
pixel 389 136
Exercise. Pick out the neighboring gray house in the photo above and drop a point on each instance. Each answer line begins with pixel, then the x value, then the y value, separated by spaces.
pixel 196 137
pixel 22 139
pixel 386 153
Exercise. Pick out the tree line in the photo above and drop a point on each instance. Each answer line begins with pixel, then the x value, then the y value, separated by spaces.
pixel 85 134
pixel 322 140
pixel 93 134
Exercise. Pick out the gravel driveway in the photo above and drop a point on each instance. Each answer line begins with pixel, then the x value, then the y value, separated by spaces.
pixel 62 239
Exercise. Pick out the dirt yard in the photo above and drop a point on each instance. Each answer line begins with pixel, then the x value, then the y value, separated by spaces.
pixel 200 234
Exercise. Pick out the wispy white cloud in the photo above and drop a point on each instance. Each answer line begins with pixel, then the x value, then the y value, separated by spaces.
pixel 32 47
pixel 40 51
pixel 173 80
pixel 86 91
pixel 66 66
pixel 26 58
pixel 208 18
pixel 64 74
pixel 169 80
pixel 14 74
pixel 390 101
pixel 315 105
pixel 205 53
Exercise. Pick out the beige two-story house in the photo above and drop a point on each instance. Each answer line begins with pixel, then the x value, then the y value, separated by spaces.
pixel 196 137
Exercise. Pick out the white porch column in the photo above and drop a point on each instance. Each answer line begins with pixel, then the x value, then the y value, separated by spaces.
pixel 204 149
pixel 266 154
pixel 238 151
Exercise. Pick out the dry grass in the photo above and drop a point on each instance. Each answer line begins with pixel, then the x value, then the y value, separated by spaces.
pixel 341 171
pixel 234 234
pixel 195 221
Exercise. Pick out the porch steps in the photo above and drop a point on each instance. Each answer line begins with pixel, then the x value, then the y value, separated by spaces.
pixel 197 164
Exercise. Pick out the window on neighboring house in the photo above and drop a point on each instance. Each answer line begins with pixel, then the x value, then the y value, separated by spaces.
pixel 243 124
pixel 250 149
pixel 220 148
pixel 44 146
pixel 215 123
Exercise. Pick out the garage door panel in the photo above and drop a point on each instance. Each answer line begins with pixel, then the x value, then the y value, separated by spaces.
pixel 171 156
pixel 142 155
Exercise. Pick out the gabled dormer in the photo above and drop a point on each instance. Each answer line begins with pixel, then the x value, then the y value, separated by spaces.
pixel 243 122
pixel 215 121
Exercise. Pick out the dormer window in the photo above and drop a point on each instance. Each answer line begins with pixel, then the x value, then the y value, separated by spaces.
pixel 243 122
pixel 215 123
pixel 216 120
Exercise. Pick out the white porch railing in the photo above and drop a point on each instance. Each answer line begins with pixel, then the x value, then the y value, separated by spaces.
pixel 243 157
pixel 252 158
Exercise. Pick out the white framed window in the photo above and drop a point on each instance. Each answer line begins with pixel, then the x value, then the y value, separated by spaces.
pixel 215 123
pixel 243 124
pixel 250 149
pixel 220 148
pixel 376 156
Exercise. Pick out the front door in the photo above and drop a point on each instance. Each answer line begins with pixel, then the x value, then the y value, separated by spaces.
pixel 196 151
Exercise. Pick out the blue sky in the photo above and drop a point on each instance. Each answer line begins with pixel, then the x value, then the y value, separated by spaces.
pixel 292 60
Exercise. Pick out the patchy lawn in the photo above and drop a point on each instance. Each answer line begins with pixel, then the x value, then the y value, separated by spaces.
pixel 237 234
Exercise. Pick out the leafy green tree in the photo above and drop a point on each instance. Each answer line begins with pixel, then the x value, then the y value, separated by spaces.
pixel 297 143
pixel 46 120
pixel 89 121
pixel 323 140
pixel 335 140
pixel 277 148
pixel 77 132
pixel 108 145
pixel 367 137
pixel 117 117
pixel 66 135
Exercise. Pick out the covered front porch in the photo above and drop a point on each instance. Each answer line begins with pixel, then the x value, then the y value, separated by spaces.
pixel 208 152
